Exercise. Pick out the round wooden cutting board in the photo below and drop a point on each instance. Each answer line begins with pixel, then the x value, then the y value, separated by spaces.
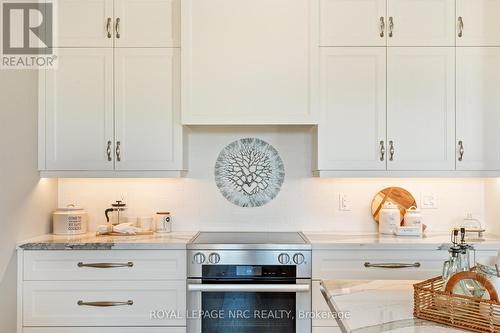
pixel 396 195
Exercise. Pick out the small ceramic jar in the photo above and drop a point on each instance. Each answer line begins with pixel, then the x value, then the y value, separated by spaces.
pixel 70 220
pixel 163 222
pixel 413 217
pixel 389 219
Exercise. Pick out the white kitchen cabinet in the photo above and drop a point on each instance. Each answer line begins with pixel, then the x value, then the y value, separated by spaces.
pixel 421 108
pixel 478 23
pixel 76 111
pixel 59 303
pixel 347 265
pixel 478 108
pixel 147 109
pixel 100 114
pixel 122 23
pixel 421 23
pixel 353 23
pixel 352 128
pixel 51 284
pixel 83 23
pixel 129 265
pixel 249 62
pixel 148 23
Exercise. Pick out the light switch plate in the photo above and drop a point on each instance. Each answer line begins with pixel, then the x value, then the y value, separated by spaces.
pixel 429 201
pixel 344 202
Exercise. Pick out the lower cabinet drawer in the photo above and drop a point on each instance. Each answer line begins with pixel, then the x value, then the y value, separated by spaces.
pixel 104 330
pixel 378 264
pixel 104 265
pixel 75 303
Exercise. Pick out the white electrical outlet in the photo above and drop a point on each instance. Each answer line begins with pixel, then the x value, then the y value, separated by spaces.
pixel 429 201
pixel 344 202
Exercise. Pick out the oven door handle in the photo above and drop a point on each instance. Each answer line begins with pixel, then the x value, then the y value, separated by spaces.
pixel 260 288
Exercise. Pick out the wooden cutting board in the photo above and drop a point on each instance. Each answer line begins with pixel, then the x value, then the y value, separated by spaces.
pixel 396 195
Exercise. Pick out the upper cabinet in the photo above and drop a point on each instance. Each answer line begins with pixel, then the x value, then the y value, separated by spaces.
pixel 421 108
pixel 421 23
pixel 249 61
pixel 84 23
pixel 353 23
pixel 76 107
pixel 142 23
pixel 352 129
pixel 112 106
pixel 120 23
pixel 147 109
pixel 392 23
pixel 478 22
pixel 478 108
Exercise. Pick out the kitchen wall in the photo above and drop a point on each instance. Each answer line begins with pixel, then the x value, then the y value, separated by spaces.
pixel 304 203
pixel 25 200
pixel 492 204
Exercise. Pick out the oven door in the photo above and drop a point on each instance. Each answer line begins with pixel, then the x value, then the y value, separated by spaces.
pixel 249 306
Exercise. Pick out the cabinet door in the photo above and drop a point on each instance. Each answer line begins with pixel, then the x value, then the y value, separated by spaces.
pixel 421 108
pixel 478 108
pixel 76 103
pixel 84 23
pixel 480 22
pixel 249 62
pixel 147 23
pixel 421 23
pixel 147 109
pixel 353 23
pixel 353 108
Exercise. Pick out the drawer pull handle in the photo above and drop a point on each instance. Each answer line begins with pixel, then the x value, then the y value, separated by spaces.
pixel 105 304
pixel 106 265
pixel 392 265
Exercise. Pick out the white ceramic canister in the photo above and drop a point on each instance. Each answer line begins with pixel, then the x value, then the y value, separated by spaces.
pixel 163 222
pixel 389 219
pixel 413 217
pixel 70 220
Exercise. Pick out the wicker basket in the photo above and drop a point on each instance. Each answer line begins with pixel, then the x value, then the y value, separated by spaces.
pixel 473 314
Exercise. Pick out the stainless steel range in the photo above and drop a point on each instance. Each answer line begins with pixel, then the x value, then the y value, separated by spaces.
pixel 249 282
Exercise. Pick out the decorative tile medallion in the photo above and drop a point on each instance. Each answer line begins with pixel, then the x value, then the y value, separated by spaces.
pixel 249 172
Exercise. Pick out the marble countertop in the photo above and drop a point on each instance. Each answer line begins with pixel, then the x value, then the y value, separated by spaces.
pixel 332 241
pixel 377 306
pixel 319 241
pixel 89 241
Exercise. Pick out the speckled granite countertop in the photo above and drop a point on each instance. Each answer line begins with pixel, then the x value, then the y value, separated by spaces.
pixel 332 241
pixel 89 241
pixel 377 306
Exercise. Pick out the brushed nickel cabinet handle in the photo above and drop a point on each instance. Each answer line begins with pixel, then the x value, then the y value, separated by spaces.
pixel 118 151
pixel 108 151
pixel 105 303
pixel 461 151
pixel 106 265
pixel 460 26
pixel 392 265
pixel 117 27
pixel 108 27
pixel 382 151
pixel 391 151
pixel 382 26
pixel 391 25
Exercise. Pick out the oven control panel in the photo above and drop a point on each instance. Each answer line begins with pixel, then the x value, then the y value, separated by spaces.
pixel 197 259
